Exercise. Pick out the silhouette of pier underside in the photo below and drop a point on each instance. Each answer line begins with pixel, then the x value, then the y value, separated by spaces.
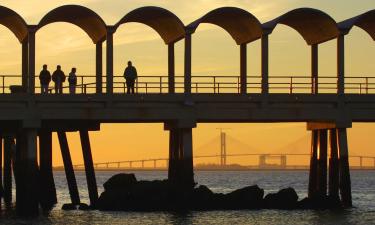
pixel 178 102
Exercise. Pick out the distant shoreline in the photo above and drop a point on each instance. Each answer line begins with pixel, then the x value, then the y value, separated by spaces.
pixel 208 169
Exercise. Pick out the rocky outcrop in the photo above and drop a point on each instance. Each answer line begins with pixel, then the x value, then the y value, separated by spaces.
pixel 123 192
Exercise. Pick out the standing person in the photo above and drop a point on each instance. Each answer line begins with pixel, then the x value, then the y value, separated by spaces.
pixel 45 79
pixel 72 79
pixel 130 75
pixel 59 78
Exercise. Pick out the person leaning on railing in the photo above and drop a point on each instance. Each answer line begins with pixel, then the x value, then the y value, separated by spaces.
pixel 59 78
pixel 45 79
pixel 72 79
pixel 130 75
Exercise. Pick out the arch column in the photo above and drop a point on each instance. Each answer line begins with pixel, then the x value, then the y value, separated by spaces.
pixel 99 67
pixel 109 80
pixel 341 65
pixel 314 69
pixel 265 62
pixel 187 75
pixel 31 66
pixel 243 68
pixel 25 63
pixel 171 68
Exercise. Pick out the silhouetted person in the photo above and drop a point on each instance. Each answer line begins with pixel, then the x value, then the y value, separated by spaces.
pixel 72 79
pixel 45 79
pixel 130 75
pixel 59 78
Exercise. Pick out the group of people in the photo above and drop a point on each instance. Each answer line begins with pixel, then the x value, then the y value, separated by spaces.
pixel 58 77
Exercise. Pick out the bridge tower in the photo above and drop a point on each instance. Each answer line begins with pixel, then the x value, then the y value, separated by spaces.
pixel 223 149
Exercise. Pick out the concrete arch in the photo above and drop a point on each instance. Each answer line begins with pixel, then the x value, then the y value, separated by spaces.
pixel 80 16
pixel 365 21
pixel 165 23
pixel 242 26
pixel 14 22
pixel 313 25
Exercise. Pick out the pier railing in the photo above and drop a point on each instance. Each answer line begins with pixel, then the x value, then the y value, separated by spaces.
pixel 211 84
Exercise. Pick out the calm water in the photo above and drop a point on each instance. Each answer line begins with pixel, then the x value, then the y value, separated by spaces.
pixel 363 185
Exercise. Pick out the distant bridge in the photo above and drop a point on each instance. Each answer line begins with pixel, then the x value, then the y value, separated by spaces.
pixel 141 163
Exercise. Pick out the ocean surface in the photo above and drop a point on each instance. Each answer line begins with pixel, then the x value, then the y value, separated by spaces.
pixel 363 190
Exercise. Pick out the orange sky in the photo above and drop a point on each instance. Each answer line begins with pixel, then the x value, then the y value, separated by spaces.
pixel 214 53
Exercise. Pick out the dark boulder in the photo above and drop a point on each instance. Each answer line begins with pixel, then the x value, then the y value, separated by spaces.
pixel 202 198
pixel 69 206
pixel 284 199
pixel 320 202
pixel 250 197
pixel 120 181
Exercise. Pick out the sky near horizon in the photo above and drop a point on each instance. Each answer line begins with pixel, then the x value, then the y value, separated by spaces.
pixel 214 53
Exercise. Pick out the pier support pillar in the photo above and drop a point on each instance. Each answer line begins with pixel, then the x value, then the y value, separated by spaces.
pixel 322 163
pixel 345 184
pixel 1 170
pixel 8 151
pixel 47 184
pixel 333 184
pixel 313 164
pixel 89 167
pixel 27 202
pixel 181 169
pixel 68 166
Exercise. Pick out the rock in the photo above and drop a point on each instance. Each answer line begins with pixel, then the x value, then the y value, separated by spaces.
pixel 120 181
pixel 202 198
pixel 69 206
pixel 325 202
pixel 284 199
pixel 84 206
pixel 250 197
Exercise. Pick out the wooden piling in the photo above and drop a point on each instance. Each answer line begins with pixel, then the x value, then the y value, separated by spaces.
pixel 333 184
pixel 89 167
pixel 313 164
pixel 345 184
pixel 47 184
pixel 68 166
pixel 322 163
pixel 8 170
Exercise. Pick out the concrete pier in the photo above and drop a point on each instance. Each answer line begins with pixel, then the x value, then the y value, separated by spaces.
pixel 180 168
pixel 333 185
pixel 47 184
pixel 27 184
pixel 8 140
pixel 312 190
pixel 345 183
pixel 322 163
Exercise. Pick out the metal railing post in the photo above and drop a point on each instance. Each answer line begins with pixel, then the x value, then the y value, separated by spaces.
pixel 161 84
pixel 214 84
pixel 291 86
